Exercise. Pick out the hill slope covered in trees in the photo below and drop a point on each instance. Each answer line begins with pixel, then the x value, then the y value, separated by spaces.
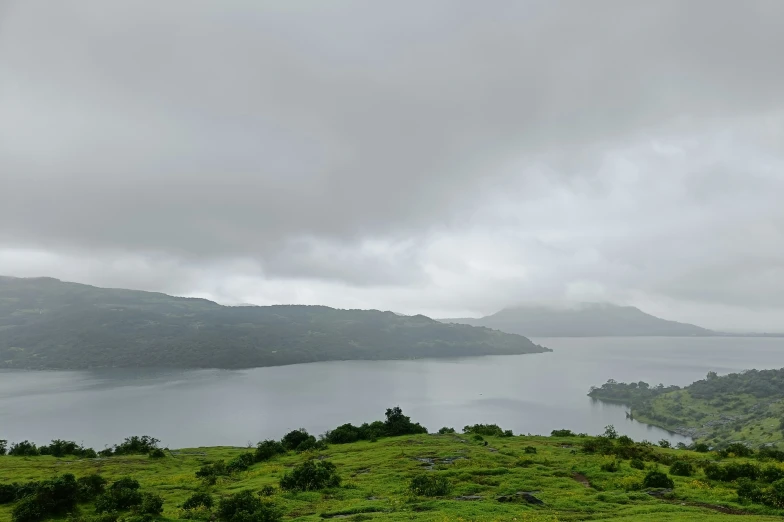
pixel 587 320
pixel 745 407
pixel 49 324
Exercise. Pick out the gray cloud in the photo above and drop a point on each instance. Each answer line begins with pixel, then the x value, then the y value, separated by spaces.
pixel 423 156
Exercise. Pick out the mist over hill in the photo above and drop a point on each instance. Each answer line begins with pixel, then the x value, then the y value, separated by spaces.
pixel 585 320
pixel 46 323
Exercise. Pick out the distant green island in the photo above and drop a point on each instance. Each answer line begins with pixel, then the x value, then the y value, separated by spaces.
pixel 746 407
pixel 48 324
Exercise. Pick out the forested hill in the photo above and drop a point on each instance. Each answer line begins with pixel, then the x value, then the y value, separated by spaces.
pixel 50 324
pixel 743 407
pixel 586 320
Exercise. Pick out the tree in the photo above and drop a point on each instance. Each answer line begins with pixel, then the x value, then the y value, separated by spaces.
pixel 247 507
pixel 610 432
pixel 312 475
pixel 657 479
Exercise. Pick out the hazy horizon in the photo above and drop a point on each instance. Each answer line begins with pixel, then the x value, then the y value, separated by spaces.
pixel 444 158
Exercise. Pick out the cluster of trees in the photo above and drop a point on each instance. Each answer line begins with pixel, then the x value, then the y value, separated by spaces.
pixel 135 445
pixel 395 423
pixel 761 384
pixel 633 394
pixel 487 430
pixel 36 501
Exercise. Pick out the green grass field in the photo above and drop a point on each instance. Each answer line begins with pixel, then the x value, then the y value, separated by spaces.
pixel 375 476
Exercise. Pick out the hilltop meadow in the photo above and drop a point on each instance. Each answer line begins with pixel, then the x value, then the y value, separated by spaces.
pixel 392 470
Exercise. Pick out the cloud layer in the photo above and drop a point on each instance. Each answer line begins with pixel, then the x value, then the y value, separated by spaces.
pixel 438 157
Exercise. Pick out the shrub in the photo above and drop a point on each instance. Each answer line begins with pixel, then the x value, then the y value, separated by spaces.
pixel 3 446
pixel 157 453
pixel 152 504
pixel 198 500
pixel 561 433
pixel 311 475
pixel 50 498
pixel 734 471
pixel 106 452
pixel 772 473
pixel 7 493
pixel 715 472
pixel 293 439
pixel 267 449
pixel 610 432
pixel 23 449
pixel 625 440
pixel 768 453
pixel 240 463
pixel 611 466
pixel 774 496
pixel 664 443
pixel 246 507
pixel 209 473
pixel 701 447
pixel 311 444
pixel 267 491
pixel 529 450
pixel 681 468
pixel 657 479
pixel 637 464
pixel 90 486
pixel 429 485
pixel 486 430
pixel 28 510
pixel 121 495
pixel 602 445
pixel 446 431
pixel 749 491
pixel 736 449
pixel 398 424
pixel 345 434
pixel 136 445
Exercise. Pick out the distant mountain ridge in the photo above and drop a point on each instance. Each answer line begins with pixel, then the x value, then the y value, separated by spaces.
pixel 46 323
pixel 586 320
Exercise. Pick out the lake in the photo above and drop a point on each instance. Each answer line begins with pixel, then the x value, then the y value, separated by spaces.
pixel 526 393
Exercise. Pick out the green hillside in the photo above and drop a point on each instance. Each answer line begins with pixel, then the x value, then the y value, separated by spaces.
pixel 745 407
pixel 49 324
pixel 451 476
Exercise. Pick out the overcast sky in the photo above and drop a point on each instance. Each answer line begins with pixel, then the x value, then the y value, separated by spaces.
pixel 439 157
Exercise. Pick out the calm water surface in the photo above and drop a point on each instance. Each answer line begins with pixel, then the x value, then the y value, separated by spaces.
pixel 526 393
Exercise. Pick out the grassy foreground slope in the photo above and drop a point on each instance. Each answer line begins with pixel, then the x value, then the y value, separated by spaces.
pixel 745 407
pixel 572 484
pixel 50 324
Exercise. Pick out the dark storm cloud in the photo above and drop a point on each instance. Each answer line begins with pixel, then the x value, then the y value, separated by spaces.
pixel 340 140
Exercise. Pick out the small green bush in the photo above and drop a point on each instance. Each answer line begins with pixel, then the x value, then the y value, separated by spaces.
pixel 310 476
pixel 241 463
pixel 7 493
pixel 198 500
pixel 529 450
pixel 90 486
pixel 157 453
pixel 446 431
pixel 247 507
pixel 429 485
pixel 611 466
pixel 681 468
pixel 267 449
pixel 637 464
pixel 152 504
pixel 561 433
pixel 657 479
